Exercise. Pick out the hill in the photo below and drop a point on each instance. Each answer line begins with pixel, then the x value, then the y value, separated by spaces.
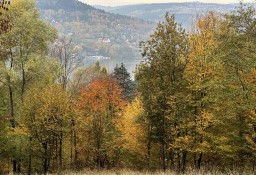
pixel 184 12
pixel 104 36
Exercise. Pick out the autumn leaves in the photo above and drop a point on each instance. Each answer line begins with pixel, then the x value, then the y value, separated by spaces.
pixel 198 94
pixel 194 105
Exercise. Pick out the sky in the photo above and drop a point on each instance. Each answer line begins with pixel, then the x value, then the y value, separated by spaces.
pixel 125 2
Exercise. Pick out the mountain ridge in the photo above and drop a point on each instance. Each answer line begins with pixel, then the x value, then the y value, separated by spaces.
pixel 67 4
pixel 154 12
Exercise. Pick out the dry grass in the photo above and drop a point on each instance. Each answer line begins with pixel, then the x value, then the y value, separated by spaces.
pixel 129 172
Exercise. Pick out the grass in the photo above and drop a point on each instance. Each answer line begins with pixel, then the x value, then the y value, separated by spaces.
pixel 129 172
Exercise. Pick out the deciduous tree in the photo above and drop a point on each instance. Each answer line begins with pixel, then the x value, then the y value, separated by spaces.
pixel 101 108
pixel 161 77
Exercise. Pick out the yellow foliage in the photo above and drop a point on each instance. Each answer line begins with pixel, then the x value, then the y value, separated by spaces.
pixel 134 128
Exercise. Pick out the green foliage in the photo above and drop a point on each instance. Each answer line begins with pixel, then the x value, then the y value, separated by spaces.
pixel 237 45
pixel 160 80
pixel 201 103
pixel 124 80
pixel 45 119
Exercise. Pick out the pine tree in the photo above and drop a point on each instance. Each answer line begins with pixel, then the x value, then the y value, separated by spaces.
pixel 125 82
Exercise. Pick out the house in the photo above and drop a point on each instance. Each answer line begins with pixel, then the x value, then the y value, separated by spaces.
pixel 105 40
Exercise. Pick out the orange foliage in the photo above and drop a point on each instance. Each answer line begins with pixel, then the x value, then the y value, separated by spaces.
pixel 101 107
pixel 101 95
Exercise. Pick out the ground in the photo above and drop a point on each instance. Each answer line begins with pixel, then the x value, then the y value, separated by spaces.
pixel 129 172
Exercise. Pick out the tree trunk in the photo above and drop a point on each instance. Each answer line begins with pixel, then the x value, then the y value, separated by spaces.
pixel 71 145
pixel 149 148
pixel 184 161
pixel 163 155
pixel 56 158
pixel 30 158
pixel 14 166
pixel 172 165
pixel 179 162
pixel 12 107
pixel 195 135
pixel 163 144
pixel 19 167
pixel 199 161
pixel 23 84
pixel 148 155
pixel 76 151
pixel 60 153
pixel 45 165
pixel 195 163
pixel 12 117
pixel 98 158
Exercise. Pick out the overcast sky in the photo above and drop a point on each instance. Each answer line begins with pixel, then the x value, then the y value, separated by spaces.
pixel 124 2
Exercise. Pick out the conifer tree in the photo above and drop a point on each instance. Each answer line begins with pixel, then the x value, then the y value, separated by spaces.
pixel 125 82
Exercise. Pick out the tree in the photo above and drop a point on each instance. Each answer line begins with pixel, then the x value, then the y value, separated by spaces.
pixel 5 23
pixel 204 75
pixel 238 56
pixel 161 77
pixel 27 38
pixel 135 134
pixel 65 51
pixel 46 119
pixel 101 106
pixel 83 76
pixel 124 80
pixel 4 146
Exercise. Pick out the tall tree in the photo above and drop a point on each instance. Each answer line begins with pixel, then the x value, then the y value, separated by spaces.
pixel 45 117
pixel 82 77
pixel 237 52
pixel 125 82
pixel 204 74
pixel 27 37
pixel 66 52
pixel 101 105
pixel 135 134
pixel 161 76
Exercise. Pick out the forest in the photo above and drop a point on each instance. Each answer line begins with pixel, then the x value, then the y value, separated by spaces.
pixel 191 107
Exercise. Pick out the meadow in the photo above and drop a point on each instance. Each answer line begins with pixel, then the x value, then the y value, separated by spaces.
pixel 131 172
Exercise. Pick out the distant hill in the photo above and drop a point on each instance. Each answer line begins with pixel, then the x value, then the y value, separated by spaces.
pixel 68 5
pixel 104 36
pixel 106 8
pixel 184 12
